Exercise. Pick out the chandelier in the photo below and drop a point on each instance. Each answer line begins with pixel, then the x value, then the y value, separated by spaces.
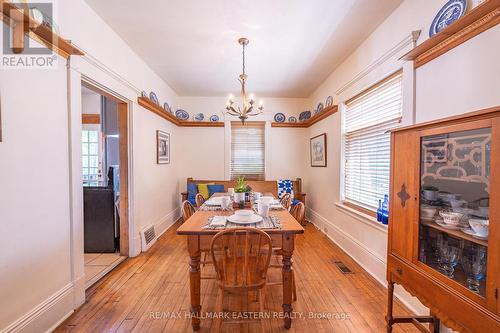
pixel 247 107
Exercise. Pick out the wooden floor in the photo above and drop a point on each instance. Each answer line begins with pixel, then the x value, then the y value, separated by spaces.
pixel 150 293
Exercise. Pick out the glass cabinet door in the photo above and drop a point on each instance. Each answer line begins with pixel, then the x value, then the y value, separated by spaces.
pixel 454 205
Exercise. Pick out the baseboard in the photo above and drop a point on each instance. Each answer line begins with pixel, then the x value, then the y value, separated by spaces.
pixel 161 226
pixel 167 221
pixel 370 261
pixel 54 309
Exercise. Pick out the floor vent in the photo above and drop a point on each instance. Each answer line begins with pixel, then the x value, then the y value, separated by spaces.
pixel 343 268
pixel 148 237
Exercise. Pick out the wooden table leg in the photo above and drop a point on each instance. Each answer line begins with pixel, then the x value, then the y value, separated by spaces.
pixel 194 279
pixel 287 251
pixel 390 300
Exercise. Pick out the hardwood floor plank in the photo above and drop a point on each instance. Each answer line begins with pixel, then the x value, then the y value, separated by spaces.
pixel 147 293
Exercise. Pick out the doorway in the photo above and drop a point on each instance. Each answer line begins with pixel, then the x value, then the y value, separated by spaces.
pixel 104 140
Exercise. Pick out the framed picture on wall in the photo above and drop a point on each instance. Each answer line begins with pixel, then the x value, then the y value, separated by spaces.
pixel 162 147
pixel 318 151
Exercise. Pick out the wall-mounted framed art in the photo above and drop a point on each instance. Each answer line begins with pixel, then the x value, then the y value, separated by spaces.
pixel 318 150
pixel 162 147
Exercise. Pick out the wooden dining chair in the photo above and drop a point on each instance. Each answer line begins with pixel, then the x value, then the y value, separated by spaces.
pixel 199 200
pixel 241 259
pixel 298 212
pixel 286 201
pixel 187 210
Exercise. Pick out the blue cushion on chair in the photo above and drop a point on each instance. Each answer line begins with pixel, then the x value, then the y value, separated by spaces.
pixel 192 190
pixel 296 201
pixel 215 189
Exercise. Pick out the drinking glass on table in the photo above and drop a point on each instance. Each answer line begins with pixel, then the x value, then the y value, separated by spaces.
pixel 263 209
pixel 225 202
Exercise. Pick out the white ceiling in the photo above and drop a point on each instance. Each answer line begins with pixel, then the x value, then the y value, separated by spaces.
pixel 294 44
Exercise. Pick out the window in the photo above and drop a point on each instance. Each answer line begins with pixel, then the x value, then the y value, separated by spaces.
pixel 90 157
pixel 367 118
pixel 247 150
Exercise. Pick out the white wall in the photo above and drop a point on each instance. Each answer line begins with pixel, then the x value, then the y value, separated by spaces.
pixel 42 259
pixel 460 81
pixel 210 146
pixel 91 103
pixel 34 191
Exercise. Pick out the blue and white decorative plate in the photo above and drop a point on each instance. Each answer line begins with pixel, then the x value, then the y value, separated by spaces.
pixel 199 117
pixel 451 11
pixel 292 119
pixel 279 117
pixel 144 94
pixel 319 108
pixel 167 107
pixel 329 101
pixel 303 116
pixel 214 118
pixel 154 98
pixel 182 114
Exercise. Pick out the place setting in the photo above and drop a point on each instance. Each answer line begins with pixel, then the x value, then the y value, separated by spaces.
pixel 258 217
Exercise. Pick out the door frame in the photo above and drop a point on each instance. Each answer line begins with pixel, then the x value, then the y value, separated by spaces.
pixel 123 142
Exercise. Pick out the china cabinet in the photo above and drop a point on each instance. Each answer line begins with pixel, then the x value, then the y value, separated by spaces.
pixel 444 232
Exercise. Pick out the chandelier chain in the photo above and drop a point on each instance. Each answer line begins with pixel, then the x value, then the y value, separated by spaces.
pixel 243 59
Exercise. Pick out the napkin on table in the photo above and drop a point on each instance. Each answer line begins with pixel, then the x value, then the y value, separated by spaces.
pixel 218 221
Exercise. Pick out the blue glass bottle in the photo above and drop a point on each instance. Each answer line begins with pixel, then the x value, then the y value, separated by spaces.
pixel 379 211
pixel 385 210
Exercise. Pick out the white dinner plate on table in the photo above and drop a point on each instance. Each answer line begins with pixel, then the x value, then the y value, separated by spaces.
pixel 216 201
pixel 254 218
pixel 273 202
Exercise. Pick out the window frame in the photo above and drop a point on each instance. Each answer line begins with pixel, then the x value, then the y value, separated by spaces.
pixel 265 129
pixel 343 110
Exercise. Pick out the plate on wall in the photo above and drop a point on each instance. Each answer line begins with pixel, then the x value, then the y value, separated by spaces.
pixel 319 108
pixel 303 116
pixel 167 107
pixel 199 117
pixel 154 98
pixel 214 118
pixel 182 114
pixel 451 11
pixel 279 117
pixel 329 101
pixel 144 94
pixel 292 119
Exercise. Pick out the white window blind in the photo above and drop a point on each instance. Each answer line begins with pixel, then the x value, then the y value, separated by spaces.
pixel 247 150
pixel 368 117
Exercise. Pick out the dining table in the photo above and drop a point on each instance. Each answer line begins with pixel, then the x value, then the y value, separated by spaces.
pixel 198 237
